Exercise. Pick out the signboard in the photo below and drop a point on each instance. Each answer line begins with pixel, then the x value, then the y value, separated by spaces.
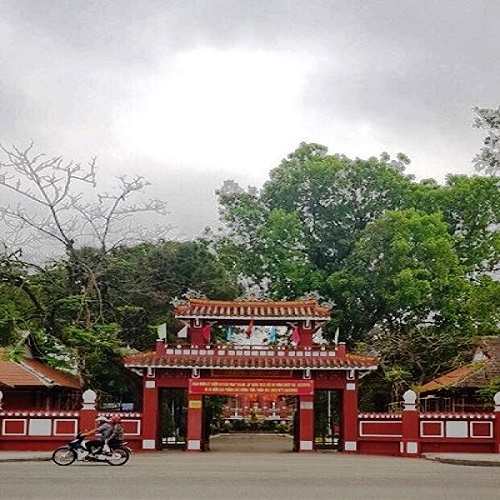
pixel 233 387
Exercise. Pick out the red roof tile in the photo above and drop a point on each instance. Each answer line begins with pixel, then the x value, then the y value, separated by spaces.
pixel 257 310
pixel 32 373
pixel 451 379
pixel 251 362
pixel 475 374
pixel 14 375
pixel 56 376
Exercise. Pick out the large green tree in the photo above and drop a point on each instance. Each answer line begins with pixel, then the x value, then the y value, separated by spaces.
pixel 143 281
pixel 404 263
pixel 403 272
pixel 334 198
pixel 309 214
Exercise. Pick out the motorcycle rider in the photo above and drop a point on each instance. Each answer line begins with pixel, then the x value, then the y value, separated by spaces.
pixel 117 435
pixel 103 432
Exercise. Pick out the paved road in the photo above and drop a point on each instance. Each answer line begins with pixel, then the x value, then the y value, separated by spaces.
pixel 250 467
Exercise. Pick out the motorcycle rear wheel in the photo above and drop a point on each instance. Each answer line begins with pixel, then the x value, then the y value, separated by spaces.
pixel 120 457
pixel 64 456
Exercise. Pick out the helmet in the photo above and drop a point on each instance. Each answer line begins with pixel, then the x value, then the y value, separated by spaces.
pixel 101 419
pixel 116 419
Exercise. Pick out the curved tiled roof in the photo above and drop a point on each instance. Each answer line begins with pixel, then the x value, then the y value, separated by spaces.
pixel 455 378
pixel 154 360
pixel 476 374
pixel 31 373
pixel 256 310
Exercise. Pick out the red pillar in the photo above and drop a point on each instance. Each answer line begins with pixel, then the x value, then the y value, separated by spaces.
pixel 195 335
pixel 306 332
pixel 410 442
pixel 496 422
pixel 350 413
pixel 194 422
pixel 306 423
pixel 341 350
pixel 150 412
pixel 160 347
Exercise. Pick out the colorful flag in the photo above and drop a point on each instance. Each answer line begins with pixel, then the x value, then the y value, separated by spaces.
pixel 295 334
pixel 183 332
pixel 337 333
pixel 249 329
pixel 206 332
pixel 272 334
pixel 318 336
pixel 229 333
pixel 162 332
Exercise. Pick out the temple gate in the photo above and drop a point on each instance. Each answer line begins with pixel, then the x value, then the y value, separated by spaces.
pixel 298 370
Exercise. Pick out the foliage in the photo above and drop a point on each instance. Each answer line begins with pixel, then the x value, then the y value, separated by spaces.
pixel 487 393
pixel 375 392
pixel 405 264
pixel 409 267
pixel 334 198
pixel 307 218
pixel 167 423
pixel 403 271
pixel 471 206
pixel 96 295
pixel 81 332
pixel 143 280
pixel 484 305
pixel 488 159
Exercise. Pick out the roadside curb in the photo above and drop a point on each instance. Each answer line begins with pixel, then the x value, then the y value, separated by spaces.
pixel 26 459
pixel 473 463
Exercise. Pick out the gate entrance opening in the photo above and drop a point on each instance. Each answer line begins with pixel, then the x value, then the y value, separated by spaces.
pixel 226 420
pixel 327 421
pixel 173 418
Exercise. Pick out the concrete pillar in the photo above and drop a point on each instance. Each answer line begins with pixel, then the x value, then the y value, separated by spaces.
pixel 410 442
pixel 88 413
pixel 194 435
pixel 350 413
pixel 150 412
pixel 306 423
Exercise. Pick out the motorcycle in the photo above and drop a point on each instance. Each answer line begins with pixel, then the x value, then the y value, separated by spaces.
pixel 75 450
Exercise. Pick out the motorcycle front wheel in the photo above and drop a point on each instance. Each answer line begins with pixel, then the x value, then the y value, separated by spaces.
pixel 119 456
pixel 64 456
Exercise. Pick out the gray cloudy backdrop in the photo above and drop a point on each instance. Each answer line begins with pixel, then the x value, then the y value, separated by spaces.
pixel 190 93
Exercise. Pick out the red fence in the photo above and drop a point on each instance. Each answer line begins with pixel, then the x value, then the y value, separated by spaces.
pixel 45 430
pixel 408 433
pixel 411 433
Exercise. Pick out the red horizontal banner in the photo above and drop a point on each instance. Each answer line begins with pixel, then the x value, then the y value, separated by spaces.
pixel 233 387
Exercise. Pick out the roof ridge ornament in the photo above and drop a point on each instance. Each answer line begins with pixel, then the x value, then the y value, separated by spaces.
pixel 253 295
pixel 190 294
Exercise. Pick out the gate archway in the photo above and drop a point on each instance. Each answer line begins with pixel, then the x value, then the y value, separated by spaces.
pixel 298 368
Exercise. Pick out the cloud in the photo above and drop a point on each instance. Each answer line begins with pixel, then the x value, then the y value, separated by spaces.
pixel 203 91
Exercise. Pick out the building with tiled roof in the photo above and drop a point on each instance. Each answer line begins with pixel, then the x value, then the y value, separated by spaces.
pixel 29 383
pixel 457 389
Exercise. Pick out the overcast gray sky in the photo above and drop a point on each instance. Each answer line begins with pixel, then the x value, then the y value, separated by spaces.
pixel 189 93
